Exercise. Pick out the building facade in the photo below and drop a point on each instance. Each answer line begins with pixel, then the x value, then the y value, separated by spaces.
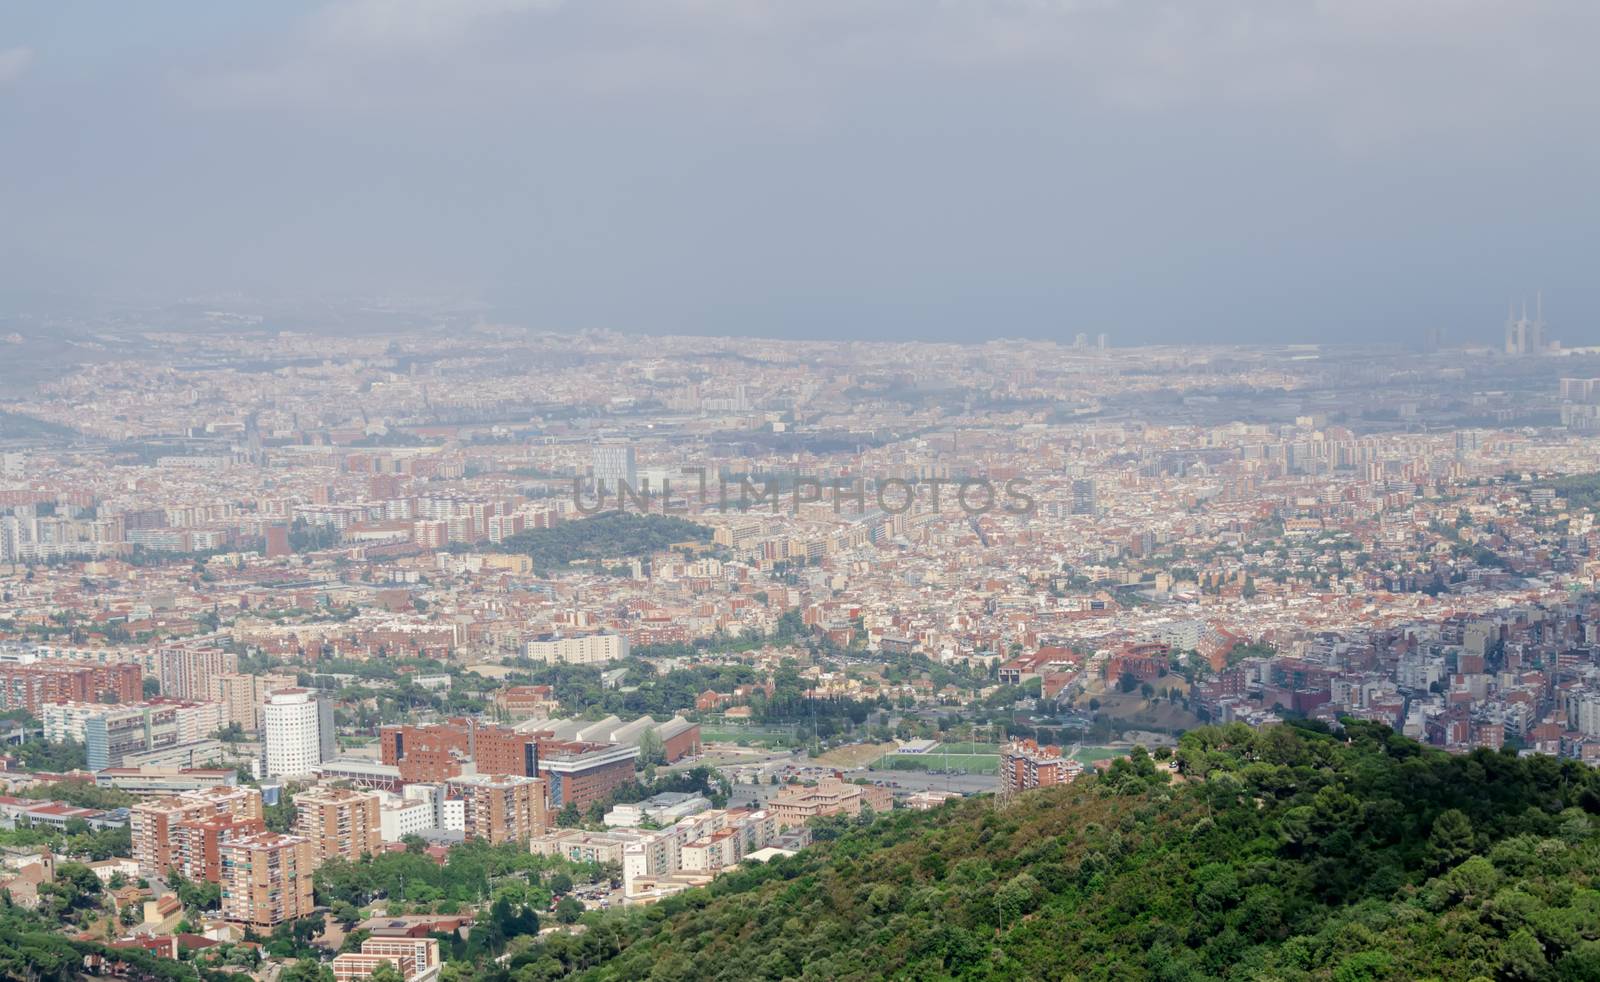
pixel 501 808
pixel 297 727
pixel 266 879
pixel 339 823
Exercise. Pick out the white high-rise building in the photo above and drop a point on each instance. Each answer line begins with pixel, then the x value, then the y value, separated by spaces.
pixel 1524 336
pixel 298 730
pixel 1583 713
pixel 613 463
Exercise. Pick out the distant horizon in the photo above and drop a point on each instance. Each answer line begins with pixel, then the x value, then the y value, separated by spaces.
pixel 12 318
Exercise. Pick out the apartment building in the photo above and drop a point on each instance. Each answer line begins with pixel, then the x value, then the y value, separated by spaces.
pixel 583 846
pixel 158 843
pixel 501 808
pixel 32 686
pixel 266 879
pixel 338 822
pixel 587 649
pixel 189 670
pixel 242 697
pixel 1024 765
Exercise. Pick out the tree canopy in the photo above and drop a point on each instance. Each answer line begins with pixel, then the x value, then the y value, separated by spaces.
pixel 1288 853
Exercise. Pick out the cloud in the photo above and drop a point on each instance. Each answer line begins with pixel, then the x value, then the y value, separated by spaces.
pixel 14 63
pixel 1358 71
pixel 401 24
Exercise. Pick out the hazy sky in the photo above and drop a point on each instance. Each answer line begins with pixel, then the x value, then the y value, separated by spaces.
pixel 1189 170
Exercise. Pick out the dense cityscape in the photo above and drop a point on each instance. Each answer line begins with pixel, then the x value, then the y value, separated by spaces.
pixel 809 491
pixel 407 651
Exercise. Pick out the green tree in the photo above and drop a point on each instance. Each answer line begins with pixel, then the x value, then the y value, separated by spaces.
pixel 386 972
pixel 1451 840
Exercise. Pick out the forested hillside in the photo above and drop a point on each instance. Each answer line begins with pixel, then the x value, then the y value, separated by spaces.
pixel 1292 853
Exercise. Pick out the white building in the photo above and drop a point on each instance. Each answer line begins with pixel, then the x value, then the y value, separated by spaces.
pixel 444 812
pixel 588 649
pixel 400 817
pixel 614 463
pixel 662 809
pixel 298 731
pixel 1583 713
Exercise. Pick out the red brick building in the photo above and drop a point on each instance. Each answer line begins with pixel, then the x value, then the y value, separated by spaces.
pixel 426 754
pixel 31 686
pixel 1145 662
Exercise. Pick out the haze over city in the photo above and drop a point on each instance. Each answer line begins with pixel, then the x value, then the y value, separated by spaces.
pixel 840 490
pixel 1234 171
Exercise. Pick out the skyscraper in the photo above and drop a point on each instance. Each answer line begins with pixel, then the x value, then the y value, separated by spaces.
pixel 1083 497
pixel 614 463
pixel 1524 336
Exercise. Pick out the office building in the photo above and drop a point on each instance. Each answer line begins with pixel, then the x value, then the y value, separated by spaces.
pixel 613 464
pixel 1525 336
pixel 427 754
pixel 297 727
pixel 163 781
pixel 1084 501
pixel 117 735
pixel 582 774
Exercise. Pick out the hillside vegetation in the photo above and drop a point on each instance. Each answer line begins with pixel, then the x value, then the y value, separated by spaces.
pixel 1292 853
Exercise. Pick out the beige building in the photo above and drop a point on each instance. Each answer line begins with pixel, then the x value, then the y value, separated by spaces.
pixel 339 822
pixel 241 696
pixel 501 808
pixel 796 804
pixel 266 879
pixel 416 959
pixel 188 670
